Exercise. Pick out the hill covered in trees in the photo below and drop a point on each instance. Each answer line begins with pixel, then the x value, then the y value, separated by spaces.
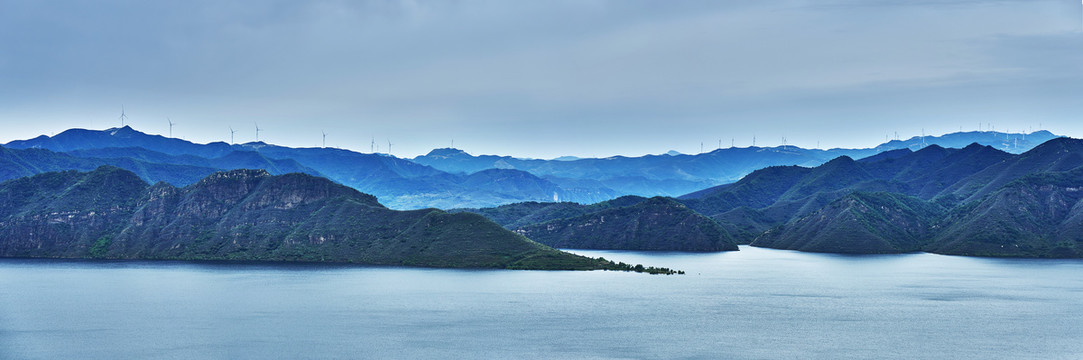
pixel 970 201
pixel 250 215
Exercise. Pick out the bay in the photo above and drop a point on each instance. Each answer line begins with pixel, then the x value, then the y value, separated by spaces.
pixel 752 304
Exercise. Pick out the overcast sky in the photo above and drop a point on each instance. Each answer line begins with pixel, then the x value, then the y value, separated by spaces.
pixel 542 78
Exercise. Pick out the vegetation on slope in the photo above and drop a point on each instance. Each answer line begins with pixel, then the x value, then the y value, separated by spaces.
pixel 863 223
pixel 1039 215
pixel 655 224
pixel 253 216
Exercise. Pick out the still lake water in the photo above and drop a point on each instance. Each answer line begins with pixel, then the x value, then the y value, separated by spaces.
pixel 756 303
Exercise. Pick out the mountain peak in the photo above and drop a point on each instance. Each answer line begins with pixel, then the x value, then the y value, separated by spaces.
pixel 1060 144
pixel 446 152
pixel 125 131
pixel 231 176
pixel 935 147
pixel 840 161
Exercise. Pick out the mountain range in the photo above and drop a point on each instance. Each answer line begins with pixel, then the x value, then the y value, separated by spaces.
pixel 251 215
pixel 976 200
pixel 676 174
pixel 444 178
pixel 971 201
pixel 902 196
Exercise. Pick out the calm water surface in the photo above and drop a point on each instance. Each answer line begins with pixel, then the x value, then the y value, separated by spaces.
pixel 756 303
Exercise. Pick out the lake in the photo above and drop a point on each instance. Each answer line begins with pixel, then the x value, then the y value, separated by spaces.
pixel 755 304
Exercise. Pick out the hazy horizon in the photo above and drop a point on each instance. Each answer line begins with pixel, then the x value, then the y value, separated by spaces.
pixel 543 80
pixel 383 150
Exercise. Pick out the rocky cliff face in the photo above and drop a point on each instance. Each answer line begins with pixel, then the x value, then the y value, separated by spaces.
pixel 247 215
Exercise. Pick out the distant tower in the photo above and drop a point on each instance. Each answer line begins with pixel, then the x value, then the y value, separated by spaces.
pixel 324 138
pixel 753 140
pixel 372 146
pixel 388 147
pixel 122 116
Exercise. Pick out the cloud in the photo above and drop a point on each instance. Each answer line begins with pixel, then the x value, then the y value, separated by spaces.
pixel 555 69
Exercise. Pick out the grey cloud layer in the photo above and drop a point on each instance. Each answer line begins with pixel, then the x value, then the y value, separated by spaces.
pixel 653 75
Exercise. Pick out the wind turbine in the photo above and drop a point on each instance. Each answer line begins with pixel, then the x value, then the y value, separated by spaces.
pixel 388 147
pixel 324 138
pixel 231 132
pixel 257 130
pixel 171 123
pixel 372 146
pixel 122 116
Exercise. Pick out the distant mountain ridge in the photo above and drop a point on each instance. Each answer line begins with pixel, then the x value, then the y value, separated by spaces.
pixel 447 178
pixel 397 182
pixel 674 174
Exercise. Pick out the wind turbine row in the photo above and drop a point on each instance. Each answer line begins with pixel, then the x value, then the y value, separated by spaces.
pixel 232 133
